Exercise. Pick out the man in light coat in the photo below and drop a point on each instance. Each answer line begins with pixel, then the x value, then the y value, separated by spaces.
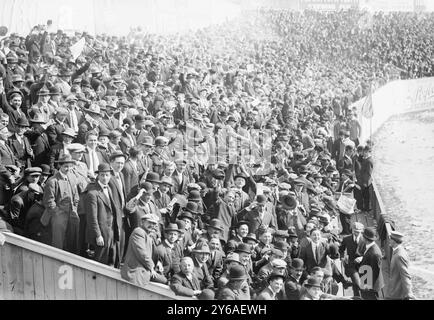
pixel 138 267
pixel 399 285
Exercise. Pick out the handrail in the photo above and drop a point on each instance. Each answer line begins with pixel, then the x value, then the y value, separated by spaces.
pixel 84 263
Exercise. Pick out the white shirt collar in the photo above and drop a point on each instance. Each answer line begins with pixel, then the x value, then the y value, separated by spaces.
pixel 369 245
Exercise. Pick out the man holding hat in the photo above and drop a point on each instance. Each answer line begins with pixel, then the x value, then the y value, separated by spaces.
pixel 399 286
pixel 60 201
pixel 348 249
pixel 139 267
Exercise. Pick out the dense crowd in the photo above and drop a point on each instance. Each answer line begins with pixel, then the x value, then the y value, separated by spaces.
pixel 219 162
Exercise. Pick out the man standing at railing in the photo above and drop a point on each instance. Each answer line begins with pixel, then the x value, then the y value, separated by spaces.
pixel 399 285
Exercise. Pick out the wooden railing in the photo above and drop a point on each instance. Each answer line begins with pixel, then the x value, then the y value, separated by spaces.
pixel 30 270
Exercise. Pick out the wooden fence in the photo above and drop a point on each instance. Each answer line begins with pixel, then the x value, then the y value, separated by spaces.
pixel 30 270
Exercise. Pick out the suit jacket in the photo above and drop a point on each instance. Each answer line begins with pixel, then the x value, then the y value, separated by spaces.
pixel 131 176
pixel 161 200
pixel 399 285
pixel 102 216
pixel 110 124
pixel 255 221
pixel 367 166
pixel 180 186
pixel 41 150
pixel 372 258
pixel 266 294
pixel 306 254
pixel 215 264
pixel 183 286
pixel 203 275
pixel 138 259
pixel 351 246
pixel 171 258
pixel 125 143
pixel 54 131
pixel 102 157
pixel 7 156
pixel 23 152
pixel 292 288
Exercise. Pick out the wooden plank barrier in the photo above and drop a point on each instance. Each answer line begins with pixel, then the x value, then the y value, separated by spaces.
pixel 30 270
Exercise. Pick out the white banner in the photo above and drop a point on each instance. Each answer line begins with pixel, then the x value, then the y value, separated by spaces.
pixel 77 48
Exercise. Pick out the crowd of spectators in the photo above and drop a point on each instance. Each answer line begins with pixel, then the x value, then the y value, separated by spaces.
pixel 211 161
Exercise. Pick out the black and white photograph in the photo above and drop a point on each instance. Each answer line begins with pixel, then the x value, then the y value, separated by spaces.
pixel 191 150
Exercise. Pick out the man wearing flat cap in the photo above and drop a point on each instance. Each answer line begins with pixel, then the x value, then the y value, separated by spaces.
pixel 399 286
pixel 139 267
pixel 60 201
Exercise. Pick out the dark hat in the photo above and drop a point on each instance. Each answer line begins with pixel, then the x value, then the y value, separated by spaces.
pixel 261 199
pixel 149 189
pixel 240 175
pixel 369 234
pixel 206 294
pixel 297 264
pixel 153 177
pixel 215 224
pixel 218 174
pixel 14 91
pixel 250 236
pixel 191 207
pixel 22 122
pixel 54 91
pixel 274 275
pixel 242 222
pixel 194 195
pixel 237 272
pixel 46 170
pixel 288 202
pixel 104 167
pixel 172 227
pixel 33 171
pixel 281 233
pixel 66 158
pixel 117 154
pixel 334 251
pixel 103 132
pixel 161 141
pixel 17 78
pixel 315 211
pixel 243 247
pixel 292 234
pixel 38 118
pixel 281 245
pixel 43 91
pixel 313 282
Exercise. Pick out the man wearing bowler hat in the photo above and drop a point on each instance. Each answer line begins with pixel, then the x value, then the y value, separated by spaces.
pixel 60 201
pixel 102 230
pixel 276 284
pixel 170 251
pixel 399 285
pixel 369 263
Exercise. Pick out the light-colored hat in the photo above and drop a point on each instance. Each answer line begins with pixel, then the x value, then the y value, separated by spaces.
pixel 358 226
pixel 278 263
pixel 151 217
pixel 397 236
pixel 76 147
